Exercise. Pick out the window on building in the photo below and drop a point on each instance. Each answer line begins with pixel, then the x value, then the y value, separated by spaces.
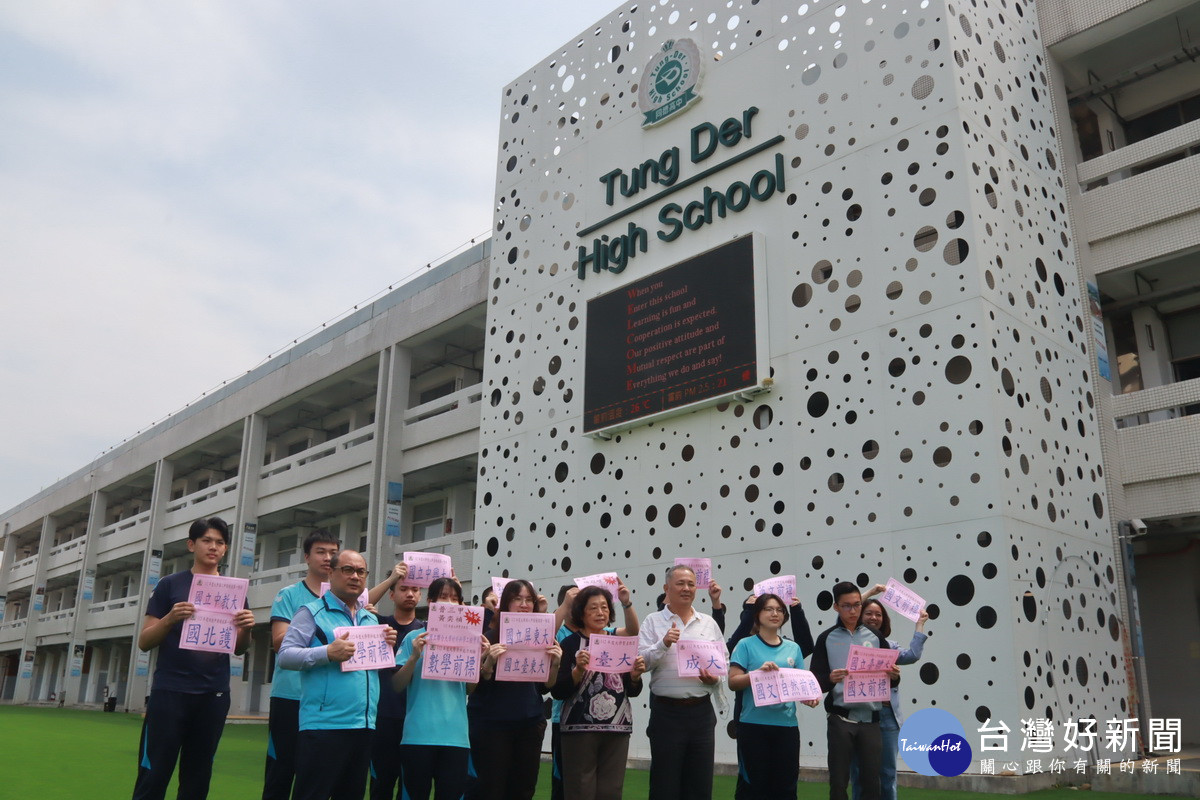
pixel 1183 331
pixel 1129 368
pixel 1160 121
pixel 433 393
pixel 428 519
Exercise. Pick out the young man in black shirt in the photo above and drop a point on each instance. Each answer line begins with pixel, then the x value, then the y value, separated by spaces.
pixel 189 697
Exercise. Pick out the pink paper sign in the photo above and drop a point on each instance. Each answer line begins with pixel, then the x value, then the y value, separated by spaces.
pixel 523 665
pixel 611 654
pixel 210 631
pixel 452 625
pixel 371 650
pixel 425 568
pixel 498 585
pixel 218 593
pixel 782 585
pixel 902 600
pixel 693 655
pixel 526 631
pixel 871 659
pixel 439 663
pixel 799 685
pixel 783 686
pixel 363 598
pixel 701 566
pixel 605 580
pixel 867 687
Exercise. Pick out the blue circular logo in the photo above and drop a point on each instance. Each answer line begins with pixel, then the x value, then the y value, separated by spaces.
pixel 934 742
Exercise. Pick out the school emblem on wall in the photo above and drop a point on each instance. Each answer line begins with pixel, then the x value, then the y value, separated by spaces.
pixel 671 79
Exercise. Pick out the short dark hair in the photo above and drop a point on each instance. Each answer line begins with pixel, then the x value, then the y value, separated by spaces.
pixel 435 589
pixel 760 603
pixel 885 629
pixel 845 587
pixel 562 591
pixel 322 536
pixel 510 591
pixel 203 526
pixel 581 601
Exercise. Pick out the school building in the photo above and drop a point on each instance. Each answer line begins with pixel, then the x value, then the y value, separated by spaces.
pixel 841 290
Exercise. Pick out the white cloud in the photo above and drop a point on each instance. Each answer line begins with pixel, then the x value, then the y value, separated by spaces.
pixel 186 187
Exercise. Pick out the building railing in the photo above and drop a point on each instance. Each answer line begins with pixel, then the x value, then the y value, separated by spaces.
pixel 67 547
pixel 288 574
pixel 12 630
pixel 1178 399
pixel 1167 143
pixel 67 553
pixel 124 524
pixel 463 397
pixel 207 493
pixel 124 532
pixel 342 443
pixel 115 604
pixel 55 622
pixel 22 569
pixel 450 545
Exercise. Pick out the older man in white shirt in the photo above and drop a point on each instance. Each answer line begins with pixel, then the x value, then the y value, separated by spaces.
pixel 682 717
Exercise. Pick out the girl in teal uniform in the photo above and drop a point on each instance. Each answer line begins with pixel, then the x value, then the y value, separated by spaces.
pixel 769 752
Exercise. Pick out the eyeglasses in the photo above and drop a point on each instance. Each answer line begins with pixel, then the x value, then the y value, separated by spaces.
pixel 359 571
pixel 848 607
pixel 773 610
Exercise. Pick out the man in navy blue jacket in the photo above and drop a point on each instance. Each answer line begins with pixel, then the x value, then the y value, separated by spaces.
pixel 337 709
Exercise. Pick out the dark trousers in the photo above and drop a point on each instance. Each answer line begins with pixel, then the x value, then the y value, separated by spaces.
pixel 385 759
pixel 594 765
pixel 769 760
pixel 506 759
pixel 849 740
pixel 681 750
pixel 183 727
pixel 428 766
pixel 332 765
pixel 556 776
pixel 283 725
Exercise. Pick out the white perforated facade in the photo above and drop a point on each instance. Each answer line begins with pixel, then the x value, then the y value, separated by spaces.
pixel 931 415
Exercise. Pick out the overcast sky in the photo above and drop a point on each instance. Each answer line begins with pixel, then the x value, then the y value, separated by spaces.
pixel 185 187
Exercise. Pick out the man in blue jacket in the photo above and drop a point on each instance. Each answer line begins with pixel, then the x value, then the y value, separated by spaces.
pixel 337 709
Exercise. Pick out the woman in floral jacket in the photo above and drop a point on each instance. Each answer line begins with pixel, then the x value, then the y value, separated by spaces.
pixel 596 717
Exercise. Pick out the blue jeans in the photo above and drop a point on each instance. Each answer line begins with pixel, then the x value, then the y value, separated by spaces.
pixel 889 733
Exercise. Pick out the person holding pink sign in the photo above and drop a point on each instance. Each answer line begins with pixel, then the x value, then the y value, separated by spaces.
pixel 596 719
pixel 337 707
pixel 853 728
pixel 682 717
pixel 283 723
pixel 768 736
pixel 189 698
pixel 891 715
pixel 435 749
pixel 386 769
pixel 507 718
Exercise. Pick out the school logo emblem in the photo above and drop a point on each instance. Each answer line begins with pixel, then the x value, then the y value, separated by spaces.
pixel 671 79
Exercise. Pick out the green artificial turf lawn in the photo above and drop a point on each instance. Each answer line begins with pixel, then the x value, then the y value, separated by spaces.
pixel 50 752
